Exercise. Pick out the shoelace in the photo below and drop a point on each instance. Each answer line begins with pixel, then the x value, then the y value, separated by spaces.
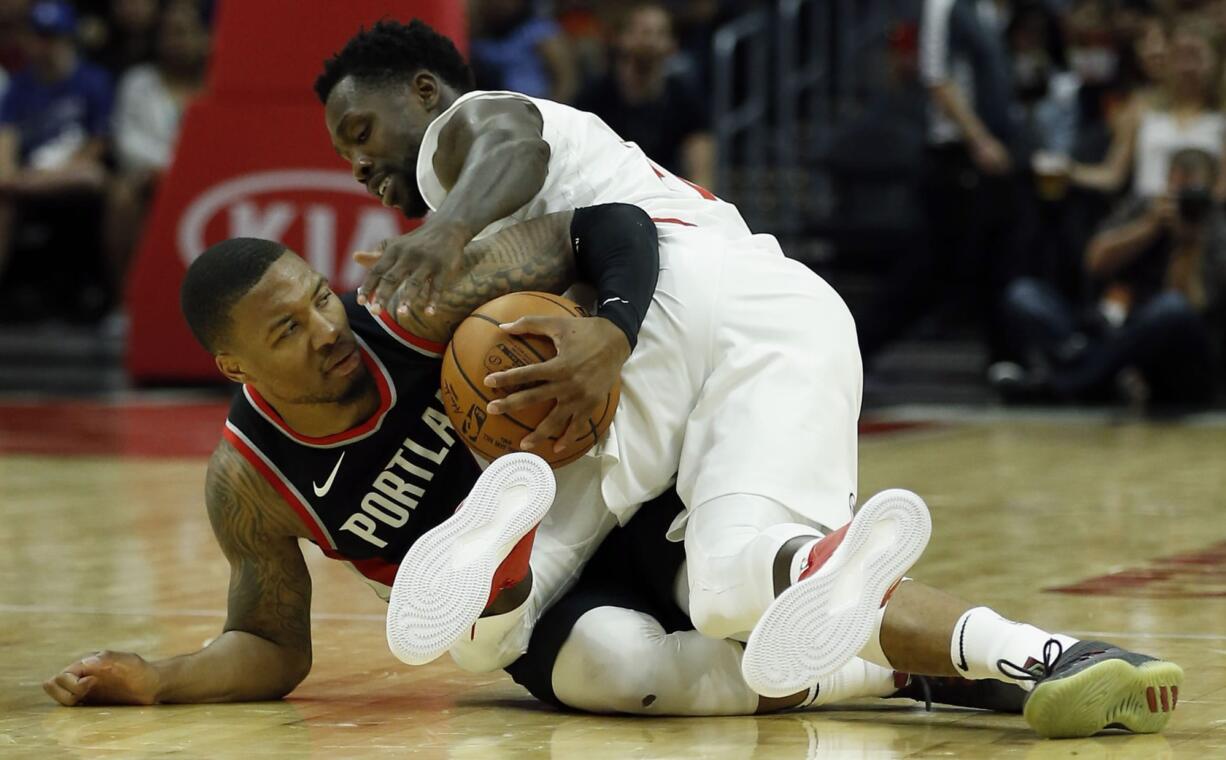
pixel 1049 661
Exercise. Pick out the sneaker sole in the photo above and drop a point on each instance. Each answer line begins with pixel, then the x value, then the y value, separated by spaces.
pixel 817 625
pixel 443 582
pixel 1109 694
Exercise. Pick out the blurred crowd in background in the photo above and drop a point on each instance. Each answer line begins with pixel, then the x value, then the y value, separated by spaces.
pixel 1061 161
pixel 1071 187
pixel 92 94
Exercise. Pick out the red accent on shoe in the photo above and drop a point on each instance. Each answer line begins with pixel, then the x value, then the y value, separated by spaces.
pixel 822 550
pixel 1166 704
pixel 1152 698
pixel 890 592
pixel 1174 696
pixel 901 680
pixel 514 568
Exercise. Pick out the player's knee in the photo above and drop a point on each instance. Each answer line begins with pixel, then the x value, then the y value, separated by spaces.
pixel 611 663
pixel 721 614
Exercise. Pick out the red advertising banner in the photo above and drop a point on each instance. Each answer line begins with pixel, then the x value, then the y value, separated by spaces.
pixel 254 160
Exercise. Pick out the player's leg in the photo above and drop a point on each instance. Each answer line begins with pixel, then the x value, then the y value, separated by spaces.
pixel 568 536
pixel 768 468
pixel 453 572
pixel 619 641
pixel 1076 687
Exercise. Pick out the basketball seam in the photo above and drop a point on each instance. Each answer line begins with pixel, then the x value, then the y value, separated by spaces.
pixel 522 342
pixel 556 302
pixel 460 368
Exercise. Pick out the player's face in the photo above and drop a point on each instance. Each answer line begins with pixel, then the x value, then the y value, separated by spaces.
pixel 290 338
pixel 378 129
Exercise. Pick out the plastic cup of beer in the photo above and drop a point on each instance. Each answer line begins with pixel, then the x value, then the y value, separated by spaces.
pixel 1051 174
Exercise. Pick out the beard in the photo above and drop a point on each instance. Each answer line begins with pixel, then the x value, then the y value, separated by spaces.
pixel 415 205
pixel 360 384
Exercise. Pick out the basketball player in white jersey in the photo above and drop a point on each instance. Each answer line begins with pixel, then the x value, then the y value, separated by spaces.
pixel 758 421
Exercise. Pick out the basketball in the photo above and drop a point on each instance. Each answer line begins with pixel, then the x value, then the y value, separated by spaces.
pixel 479 348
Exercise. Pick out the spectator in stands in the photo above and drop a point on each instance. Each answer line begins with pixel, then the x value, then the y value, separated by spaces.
pixel 969 188
pixel 54 121
pixel 1182 112
pixel 1162 265
pixel 150 101
pixel 514 48
pixel 1046 89
pixel 126 37
pixel 645 105
pixel 583 23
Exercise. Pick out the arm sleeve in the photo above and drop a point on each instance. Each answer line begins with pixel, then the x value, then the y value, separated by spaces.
pixel 617 251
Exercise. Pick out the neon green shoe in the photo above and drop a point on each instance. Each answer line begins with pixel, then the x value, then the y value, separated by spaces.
pixel 1095 686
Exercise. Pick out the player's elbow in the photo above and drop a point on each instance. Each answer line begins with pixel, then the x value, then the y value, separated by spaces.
pixel 295 667
pixel 533 154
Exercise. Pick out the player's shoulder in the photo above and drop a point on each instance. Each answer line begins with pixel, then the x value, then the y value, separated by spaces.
pixel 476 109
pixel 239 498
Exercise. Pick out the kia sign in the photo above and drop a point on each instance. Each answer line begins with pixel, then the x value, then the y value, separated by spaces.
pixel 254 160
pixel 310 210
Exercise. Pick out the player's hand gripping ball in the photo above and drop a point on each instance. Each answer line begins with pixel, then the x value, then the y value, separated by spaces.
pixel 479 348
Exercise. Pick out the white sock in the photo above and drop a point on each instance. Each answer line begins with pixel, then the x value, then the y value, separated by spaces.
pixel 983 638
pixel 495 641
pixel 856 680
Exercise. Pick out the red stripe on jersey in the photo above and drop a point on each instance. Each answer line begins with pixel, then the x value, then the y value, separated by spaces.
pixel 705 193
pixel 670 220
pixel 281 487
pixel 385 403
pixel 408 337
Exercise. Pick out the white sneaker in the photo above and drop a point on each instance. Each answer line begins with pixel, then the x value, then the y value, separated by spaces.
pixel 818 624
pixel 444 580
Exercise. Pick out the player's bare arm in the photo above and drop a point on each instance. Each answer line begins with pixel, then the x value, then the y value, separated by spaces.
pixel 533 255
pixel 265 649
pixel 492 159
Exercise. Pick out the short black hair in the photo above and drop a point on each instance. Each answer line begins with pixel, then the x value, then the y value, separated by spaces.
pixel 390 50
pixel 217 279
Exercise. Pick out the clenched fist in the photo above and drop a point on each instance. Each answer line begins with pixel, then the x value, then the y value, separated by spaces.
pixel 105 678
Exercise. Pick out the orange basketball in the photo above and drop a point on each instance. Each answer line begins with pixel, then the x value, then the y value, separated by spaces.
pixel 478 348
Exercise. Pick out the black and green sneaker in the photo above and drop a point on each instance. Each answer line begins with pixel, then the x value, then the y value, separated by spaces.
pixel 1094 686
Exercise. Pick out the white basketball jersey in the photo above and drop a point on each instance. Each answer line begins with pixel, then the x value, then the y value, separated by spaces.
pixel 589 164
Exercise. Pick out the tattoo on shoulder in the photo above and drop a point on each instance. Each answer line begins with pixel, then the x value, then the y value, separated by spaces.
pixel 270 587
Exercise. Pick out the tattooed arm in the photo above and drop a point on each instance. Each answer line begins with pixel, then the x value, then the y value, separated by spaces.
pixel 265 649
pixel 531 255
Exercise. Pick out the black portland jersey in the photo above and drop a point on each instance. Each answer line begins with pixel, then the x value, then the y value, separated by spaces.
pixel 368 493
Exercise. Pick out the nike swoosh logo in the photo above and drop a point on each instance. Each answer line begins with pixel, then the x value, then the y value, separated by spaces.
pixel 962 663
pixel 611 300
pixel 322 491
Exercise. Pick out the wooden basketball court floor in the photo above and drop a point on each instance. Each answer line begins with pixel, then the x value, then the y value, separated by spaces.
pixel 1080 524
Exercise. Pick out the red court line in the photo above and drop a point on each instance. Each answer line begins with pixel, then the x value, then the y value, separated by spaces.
pixel 1188 575
pixel 77 428
pixel 157 430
